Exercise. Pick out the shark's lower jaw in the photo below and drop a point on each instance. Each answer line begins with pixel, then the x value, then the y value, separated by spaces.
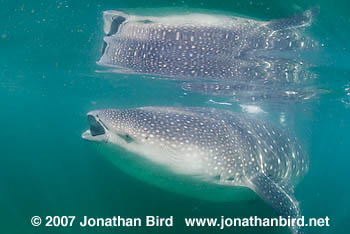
pixel 98 138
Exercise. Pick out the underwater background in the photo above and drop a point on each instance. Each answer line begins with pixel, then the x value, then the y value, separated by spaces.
pixel 48 82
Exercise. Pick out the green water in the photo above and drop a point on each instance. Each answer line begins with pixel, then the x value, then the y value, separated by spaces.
pixel 48 83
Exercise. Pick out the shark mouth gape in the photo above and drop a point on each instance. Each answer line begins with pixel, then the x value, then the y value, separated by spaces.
pixel 96 128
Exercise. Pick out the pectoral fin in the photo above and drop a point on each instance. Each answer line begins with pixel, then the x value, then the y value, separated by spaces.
pixel 274 194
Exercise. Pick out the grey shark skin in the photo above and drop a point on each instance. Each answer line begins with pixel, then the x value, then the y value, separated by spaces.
pixel 209 47
pixel 216 147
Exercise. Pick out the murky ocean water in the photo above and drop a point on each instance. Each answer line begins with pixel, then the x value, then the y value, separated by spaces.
pixel 48 82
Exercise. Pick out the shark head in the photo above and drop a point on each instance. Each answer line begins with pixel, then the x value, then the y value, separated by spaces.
pixel 161 135
pixel 113 126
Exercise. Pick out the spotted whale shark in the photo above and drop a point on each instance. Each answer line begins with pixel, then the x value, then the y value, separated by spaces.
pixel 191 150
pixel 207 46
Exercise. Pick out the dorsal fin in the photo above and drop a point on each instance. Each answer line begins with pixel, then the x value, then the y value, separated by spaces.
pixel 274 194
pixel 303 19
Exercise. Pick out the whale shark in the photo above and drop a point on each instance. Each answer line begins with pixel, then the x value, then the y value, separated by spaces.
pixel 191 150
pixel 192 46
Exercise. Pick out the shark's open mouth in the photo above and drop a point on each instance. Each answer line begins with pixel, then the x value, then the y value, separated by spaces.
pixel 113 20
pixel 96 128
pixel 115 24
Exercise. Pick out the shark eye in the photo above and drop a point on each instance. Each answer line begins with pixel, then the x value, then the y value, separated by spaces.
pixel 146 21
pixel 126 137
